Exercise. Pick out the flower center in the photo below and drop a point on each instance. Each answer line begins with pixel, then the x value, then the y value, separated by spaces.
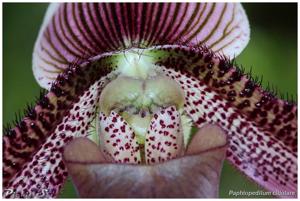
pixel 137 100
pixel 141 116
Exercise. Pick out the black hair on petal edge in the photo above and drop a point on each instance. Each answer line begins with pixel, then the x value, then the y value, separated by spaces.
pixel 29 108
pixel 254 79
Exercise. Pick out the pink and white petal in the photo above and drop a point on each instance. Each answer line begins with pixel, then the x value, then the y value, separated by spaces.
pixel 271 114
pixel 227 30
pixel 41 122
pixel 76 31
pixel 45 174
pixel 36 60
pixel 164 138
pixel 254 151
pixel 117 139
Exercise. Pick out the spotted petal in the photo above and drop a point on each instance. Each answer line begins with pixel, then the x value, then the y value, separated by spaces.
pixel 32 149
pixel 262 128
pixel 164 138
pixel 75 31
pixel 117 139
pixel 46 170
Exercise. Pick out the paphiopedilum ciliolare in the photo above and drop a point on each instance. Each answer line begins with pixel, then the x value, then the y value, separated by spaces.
pixel 135 77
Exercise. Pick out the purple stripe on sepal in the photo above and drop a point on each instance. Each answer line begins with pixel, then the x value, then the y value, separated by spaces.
pixel 78 31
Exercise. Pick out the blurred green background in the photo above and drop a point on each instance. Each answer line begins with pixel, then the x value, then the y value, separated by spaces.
pixel 272 53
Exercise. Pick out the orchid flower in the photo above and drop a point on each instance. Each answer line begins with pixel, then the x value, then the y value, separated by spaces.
pixel 135 78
